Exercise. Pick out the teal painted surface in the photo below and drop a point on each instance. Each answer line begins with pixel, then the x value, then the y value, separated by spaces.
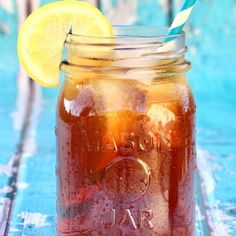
pixel 211 39
pixel 211 34
pixel 9 135
pixel 34 210
pixel 155 15
pixel 8 90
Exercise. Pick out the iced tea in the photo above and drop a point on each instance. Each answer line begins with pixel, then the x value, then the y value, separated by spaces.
pixel 126 151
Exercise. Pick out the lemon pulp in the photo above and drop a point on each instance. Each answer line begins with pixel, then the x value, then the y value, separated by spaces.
pixel 42 36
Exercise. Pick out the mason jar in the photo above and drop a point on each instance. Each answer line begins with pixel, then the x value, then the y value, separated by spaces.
pixel 126 136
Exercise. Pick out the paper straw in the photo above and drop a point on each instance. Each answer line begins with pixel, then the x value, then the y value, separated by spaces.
pixel 180 19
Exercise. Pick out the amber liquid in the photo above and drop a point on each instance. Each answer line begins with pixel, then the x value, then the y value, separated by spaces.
pixel 126 159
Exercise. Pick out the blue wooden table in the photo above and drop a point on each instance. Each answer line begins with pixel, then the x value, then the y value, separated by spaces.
pixel 27 116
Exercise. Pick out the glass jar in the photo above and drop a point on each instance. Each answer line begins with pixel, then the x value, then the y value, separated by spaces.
pixel 126 136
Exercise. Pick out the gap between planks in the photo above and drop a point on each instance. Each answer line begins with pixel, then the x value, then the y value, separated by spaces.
pixel 17 159
pixel 25 107
pixel 170 13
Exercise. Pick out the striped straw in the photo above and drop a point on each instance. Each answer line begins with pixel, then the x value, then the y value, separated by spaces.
pixel 180 19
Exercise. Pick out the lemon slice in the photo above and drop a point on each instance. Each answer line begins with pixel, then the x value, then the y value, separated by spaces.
pixel 42 36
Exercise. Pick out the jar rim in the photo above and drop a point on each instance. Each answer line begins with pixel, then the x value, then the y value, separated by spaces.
pixel 142 32
pixel 142 48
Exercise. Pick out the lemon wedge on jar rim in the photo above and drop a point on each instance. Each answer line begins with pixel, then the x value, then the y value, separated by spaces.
pixel 42 36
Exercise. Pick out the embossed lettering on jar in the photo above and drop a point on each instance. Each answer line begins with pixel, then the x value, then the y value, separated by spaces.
pixel 125 136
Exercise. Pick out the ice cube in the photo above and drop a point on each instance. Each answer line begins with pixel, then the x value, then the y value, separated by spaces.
pixel 160 115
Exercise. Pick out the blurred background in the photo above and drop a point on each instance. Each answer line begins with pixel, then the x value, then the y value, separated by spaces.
pixel 27 150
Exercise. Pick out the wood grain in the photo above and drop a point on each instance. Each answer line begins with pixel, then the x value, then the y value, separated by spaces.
pixel 22 120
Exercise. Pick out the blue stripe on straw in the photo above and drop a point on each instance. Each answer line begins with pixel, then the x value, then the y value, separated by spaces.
pixel 187 4
pixel 177 30
pixel 171 34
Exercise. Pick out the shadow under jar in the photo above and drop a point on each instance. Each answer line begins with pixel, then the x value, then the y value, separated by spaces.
pixel 125 136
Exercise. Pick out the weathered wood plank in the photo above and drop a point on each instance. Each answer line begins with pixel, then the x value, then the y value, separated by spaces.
pixel 34 209
pixel 8 88
pixel 9 126
pixel 20 90
pixel 210 35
